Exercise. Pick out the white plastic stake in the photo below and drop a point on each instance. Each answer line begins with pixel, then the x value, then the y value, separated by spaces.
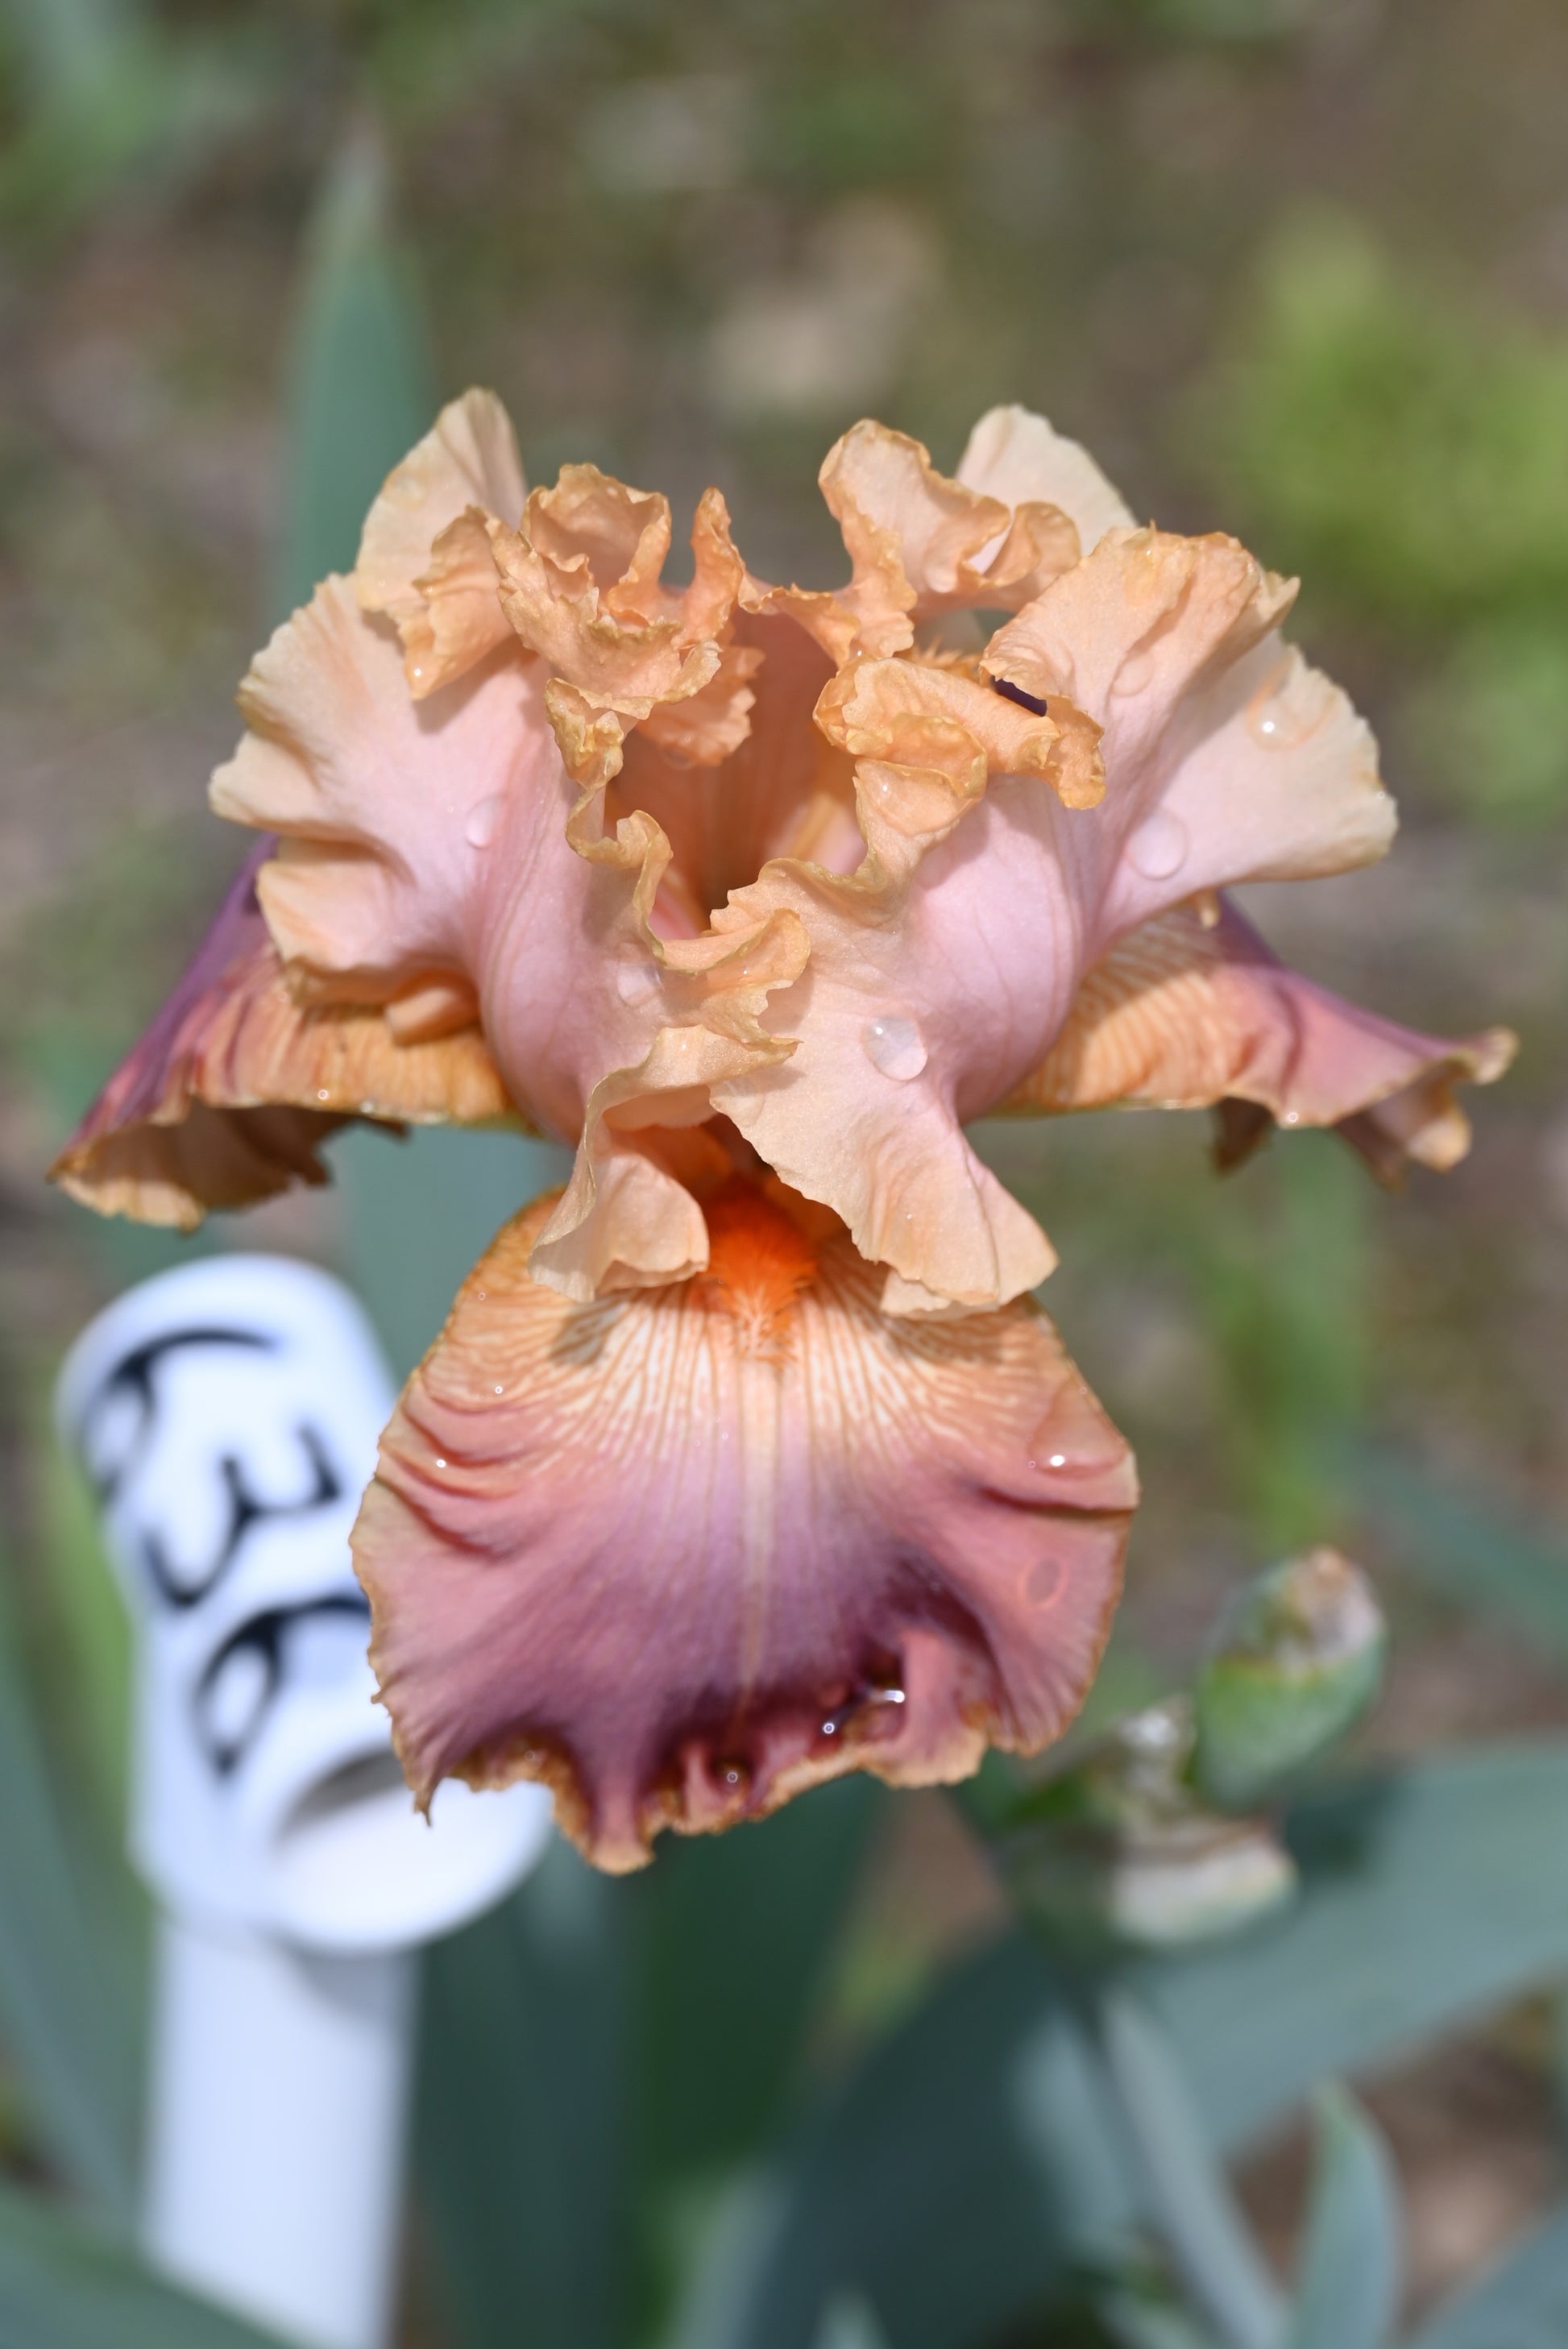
pixel 228 1413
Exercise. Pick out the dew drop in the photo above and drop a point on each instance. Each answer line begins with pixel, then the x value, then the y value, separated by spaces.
pixel 1291 707
pixel 895 1046
pixel 501 1391
pixel 1098 1455
pixel 1159 847
pixel 440 1464
pixel 321 1094
pixel 479 829
pixel 732 1773
pixel 637 982
pixel 1045 1583
pixel 1134 674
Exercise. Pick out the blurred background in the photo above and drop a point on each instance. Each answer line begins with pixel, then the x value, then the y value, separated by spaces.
pixel 1293 268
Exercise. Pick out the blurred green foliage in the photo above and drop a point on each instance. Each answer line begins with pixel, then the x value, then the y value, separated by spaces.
pixel 1404 448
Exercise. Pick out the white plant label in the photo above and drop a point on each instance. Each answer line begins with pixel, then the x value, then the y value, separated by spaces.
pixel 228 1415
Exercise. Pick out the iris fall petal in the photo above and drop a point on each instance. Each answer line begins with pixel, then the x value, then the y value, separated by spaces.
pixel 683 1554
pixel 1193 1012
pixel 228 1096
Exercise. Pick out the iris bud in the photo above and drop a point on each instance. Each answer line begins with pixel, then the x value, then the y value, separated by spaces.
pixel 1122 1849
pixel 1295 1660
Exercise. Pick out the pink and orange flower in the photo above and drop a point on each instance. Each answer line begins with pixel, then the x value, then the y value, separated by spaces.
pixel 748 1458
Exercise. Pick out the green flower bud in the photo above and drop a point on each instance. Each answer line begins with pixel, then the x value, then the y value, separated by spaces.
pixel 1297 1659
pixel 1120 1848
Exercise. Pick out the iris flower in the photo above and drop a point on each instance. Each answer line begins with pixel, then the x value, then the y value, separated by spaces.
pixel 748 1458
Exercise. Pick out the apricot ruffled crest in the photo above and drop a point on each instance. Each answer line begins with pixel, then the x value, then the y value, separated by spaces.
pixel 747 1459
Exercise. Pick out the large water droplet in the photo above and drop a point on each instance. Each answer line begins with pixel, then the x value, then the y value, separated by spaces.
pixel 1290 708
pixel 637 982
pixel 1134 674
pixel 895 1046
pixel 1159 847
pixel 479 829
pixel 1045 1582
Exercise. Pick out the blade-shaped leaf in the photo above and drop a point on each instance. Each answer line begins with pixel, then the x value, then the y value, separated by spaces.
pixel 67 2006
pixel 739 1933
pixel 953 2180
pixel 359 392
pixel 520 2121
pixel 1348 2291
pixel 850 2322
pixel 64 2287
pixel 970 2163
pixel 419 1211
pixel 1521 2304
pixel 1188 2194
pixel 1452 1543
pixel 1138 2322
pixel 1428 1894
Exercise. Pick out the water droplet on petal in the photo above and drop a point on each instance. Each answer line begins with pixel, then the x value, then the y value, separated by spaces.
pixel 1289 708
pixel 1159 847
pixel 732 1773
pixel 1134 675
pixel 637 982
pixel 1098 1451
pixel 483 818
pixel 895 1046
pixel 1045 1583
pixel 321 1094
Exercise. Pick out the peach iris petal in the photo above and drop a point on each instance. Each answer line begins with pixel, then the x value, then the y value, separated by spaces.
pixel 685 1554
pixel 1193 1012
pixel 943 970
pixel 1017 458
pixel 581 584
pixel 918 544
pixel 425 861
pixel 425 559
pixel 922 545
pixel 861 1115
pixel 620 842
pixel 1227 757
pixel 229 1095
pixel 785 791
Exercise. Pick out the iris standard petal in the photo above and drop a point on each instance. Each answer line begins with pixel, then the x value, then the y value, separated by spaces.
pixel 683 1554
pixel 1016 457
pixel 424 558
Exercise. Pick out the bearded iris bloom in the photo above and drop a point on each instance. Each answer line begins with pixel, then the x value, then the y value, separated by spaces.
pixel 748 1458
